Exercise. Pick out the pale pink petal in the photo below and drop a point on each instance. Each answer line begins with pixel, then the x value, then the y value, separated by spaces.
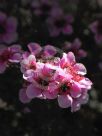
pixel 34 48
pixel 50 50
pixel 83 99
pixel 50 95
pixel 64 101
pixel 33 91
pixel 80 68
pixel 16 58
pixel 71 58
pixel 75 106
pixel 23 97
pixel 75 90
pixel 28 75
pixel 86 83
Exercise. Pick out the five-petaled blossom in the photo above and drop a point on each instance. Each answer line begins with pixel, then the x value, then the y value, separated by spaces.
pixel 60 24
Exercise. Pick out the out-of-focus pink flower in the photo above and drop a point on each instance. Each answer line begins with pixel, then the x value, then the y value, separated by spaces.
pixel 9 55
pixel 75 48
pixel 96 28
pixel 60 24
pixel 44 7
pixel 23 96
pixel 8 26
pixel 45 52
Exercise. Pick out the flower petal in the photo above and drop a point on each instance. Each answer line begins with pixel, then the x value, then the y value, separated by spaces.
pixel 75 90
pixel 71 58
pixel 75 106
pixel 33 91
pixel 64 101
pixel 80 68
pixel 34 48
pixel 15 58
pixel 23 97
pixel 49 50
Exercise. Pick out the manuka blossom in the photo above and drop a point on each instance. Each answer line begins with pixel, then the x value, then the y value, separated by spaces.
pixel 75 48
pixel 44 8
pixel 71 84
pixel 60 24
pixel 96 28
pixel 8 26
pixel 64 81
pixel 9 55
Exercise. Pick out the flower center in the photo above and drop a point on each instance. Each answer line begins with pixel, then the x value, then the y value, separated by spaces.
pixel 33 65
pixel 43 82
pixel 64 89
pixel 60 23
pixel 2 29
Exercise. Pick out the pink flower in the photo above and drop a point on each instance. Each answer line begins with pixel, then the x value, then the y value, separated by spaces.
pixel 96 28
pixel 40 80
pixel 75 48
pixel 60 24
pixel 9 55
pixel 68 61
pixel 43 8
pixel 8 26
pixel 69 83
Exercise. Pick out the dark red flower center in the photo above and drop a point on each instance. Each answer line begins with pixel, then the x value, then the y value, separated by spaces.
pixel 33 65
pixel 64 89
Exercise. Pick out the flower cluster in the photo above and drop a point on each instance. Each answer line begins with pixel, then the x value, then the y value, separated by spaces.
pixel 55 78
